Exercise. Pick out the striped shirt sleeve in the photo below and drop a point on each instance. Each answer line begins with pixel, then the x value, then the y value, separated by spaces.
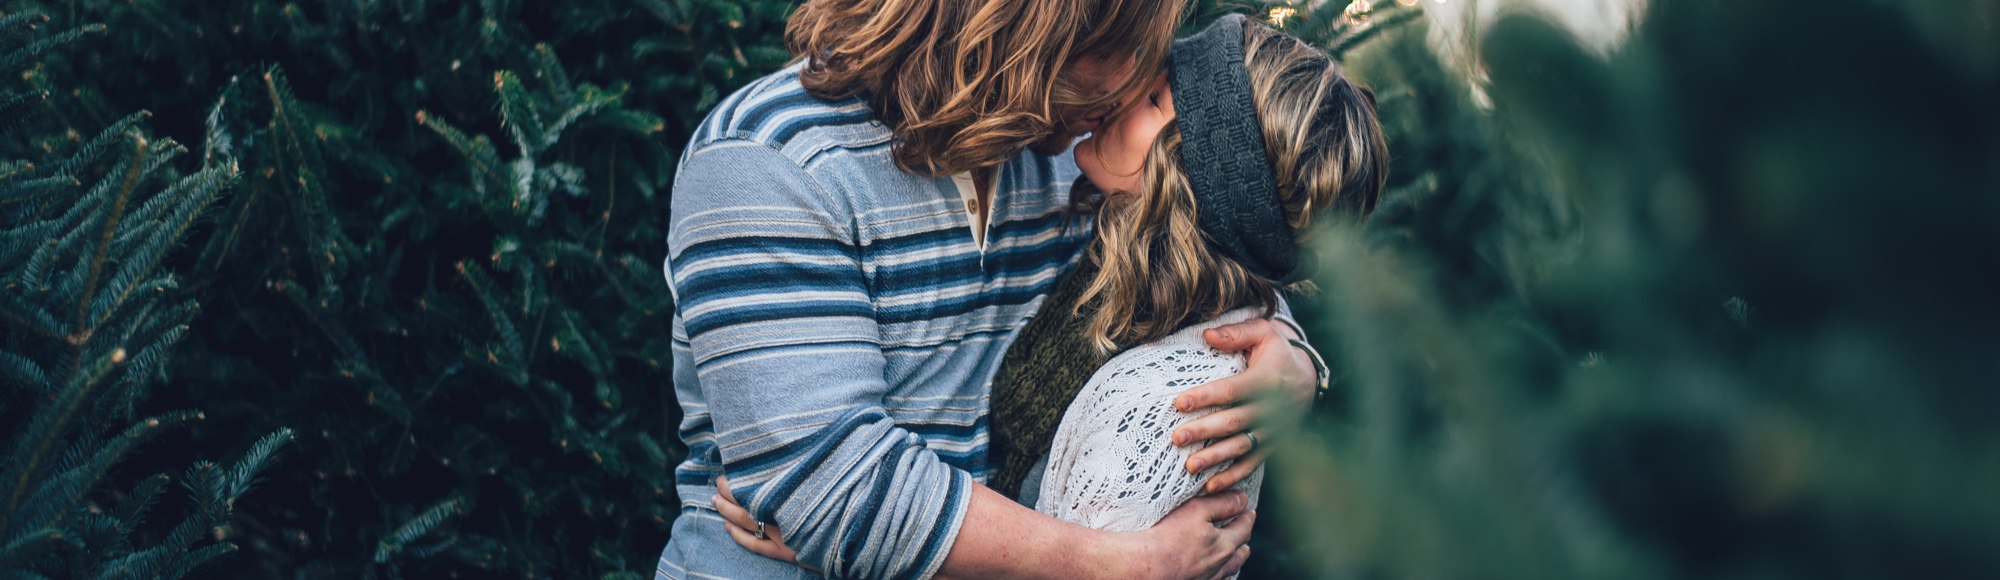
pixel 768 273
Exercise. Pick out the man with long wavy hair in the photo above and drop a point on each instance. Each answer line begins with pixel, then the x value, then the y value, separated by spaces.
pixel 855 241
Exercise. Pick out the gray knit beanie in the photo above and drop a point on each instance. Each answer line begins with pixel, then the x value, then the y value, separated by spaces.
pixel 1222 151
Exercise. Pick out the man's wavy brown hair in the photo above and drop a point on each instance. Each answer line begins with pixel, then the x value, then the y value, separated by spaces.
pixel 966 84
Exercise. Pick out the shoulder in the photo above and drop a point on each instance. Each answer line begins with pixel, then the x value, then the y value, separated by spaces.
pixel 776 112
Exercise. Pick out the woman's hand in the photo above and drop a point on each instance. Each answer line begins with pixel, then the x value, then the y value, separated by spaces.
pixel 1280 379
pixel 742 528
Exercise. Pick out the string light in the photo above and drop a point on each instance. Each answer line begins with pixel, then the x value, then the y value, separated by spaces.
pixel 1356 14
pixel 1280 13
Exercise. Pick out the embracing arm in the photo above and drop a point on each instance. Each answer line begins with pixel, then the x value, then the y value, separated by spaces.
pixel 1002 539
pixel 767 271
pixel 1280 382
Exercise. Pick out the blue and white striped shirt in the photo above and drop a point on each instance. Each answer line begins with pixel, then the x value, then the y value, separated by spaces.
pixel 836 332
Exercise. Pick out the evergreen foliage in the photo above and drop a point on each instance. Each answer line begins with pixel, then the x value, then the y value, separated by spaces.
pixel 445 251
pixel 1709 305
pixel 91 313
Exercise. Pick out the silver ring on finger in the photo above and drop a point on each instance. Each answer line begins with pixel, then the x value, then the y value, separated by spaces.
pixel 760 532
pixel 1252 434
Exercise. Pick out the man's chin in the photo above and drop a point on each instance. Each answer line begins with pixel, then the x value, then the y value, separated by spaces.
pixel 1056 144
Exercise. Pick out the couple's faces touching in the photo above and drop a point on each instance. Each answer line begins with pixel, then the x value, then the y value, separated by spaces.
pixel 1120 135
pixel 1115 152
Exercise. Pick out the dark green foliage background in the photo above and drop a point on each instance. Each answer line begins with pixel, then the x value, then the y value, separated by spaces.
pixel 476 366
pixel 1718 303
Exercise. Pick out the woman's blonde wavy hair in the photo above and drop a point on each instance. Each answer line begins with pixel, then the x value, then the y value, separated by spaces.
pixel 1155 274
pixel 966 84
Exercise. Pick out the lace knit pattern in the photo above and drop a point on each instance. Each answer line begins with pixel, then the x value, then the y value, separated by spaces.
pixel 1113 465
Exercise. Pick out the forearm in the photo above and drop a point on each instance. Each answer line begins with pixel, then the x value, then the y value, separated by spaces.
pixel 1003 539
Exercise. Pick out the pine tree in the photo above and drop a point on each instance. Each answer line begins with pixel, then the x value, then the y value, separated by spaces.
pixel 446 248
pixel 91 314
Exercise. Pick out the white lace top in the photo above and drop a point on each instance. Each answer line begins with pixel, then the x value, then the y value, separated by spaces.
pixel 1113 465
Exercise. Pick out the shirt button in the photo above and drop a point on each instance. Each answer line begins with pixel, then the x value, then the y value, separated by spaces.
pixel 971 206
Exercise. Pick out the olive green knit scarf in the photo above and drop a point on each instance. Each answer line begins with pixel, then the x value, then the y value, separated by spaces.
pixel 1043 371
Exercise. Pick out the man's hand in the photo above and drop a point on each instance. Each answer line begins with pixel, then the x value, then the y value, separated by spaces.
pixel 743 528
pixel 1192 542
pixel 1280 380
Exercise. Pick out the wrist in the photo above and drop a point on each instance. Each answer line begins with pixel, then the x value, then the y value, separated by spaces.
pixel 1123 555
pixel 1296 337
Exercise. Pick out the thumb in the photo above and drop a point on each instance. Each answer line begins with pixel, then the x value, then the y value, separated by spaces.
pixel 1216 507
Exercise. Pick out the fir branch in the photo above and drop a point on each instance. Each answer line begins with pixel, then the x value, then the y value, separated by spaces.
pixel 569 342
pixel 219 246
pixel 518 113
pixel 131 512
pixel 315 312
pixel 284 118
pixel 187 562
pixel 22 371
pixel 243 475
pixel 29 317
pixel 14 168
pixel 149 358
pixel 33 19
pixel 97 537
pixel 217 141
pixel 654 453
pixel 193 193
pixel 29 545
pixel 485 161
pixel 90 150
pixel 34 189
pixel 631 121
pixel 96 264
pixel 48 427
pixel 202 483
pixel 416 527
pixel 74 225
pixel 549 69
pixel 164 151
pixel 13 109
pixel 67 489
pixel 290 119
pixel 589 99
pixel 510 339
pixel 36 48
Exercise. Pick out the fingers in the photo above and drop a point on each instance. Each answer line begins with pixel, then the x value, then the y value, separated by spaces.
pixel 1215 426
pixel 1224 391
pixel 722 487
pixel 1243 335
pixel 1237 533
pixel 1236 473
pixel 769 548
pixel 1235 564
pixel 1216 507
pixel 1222 450
pixel 733 513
